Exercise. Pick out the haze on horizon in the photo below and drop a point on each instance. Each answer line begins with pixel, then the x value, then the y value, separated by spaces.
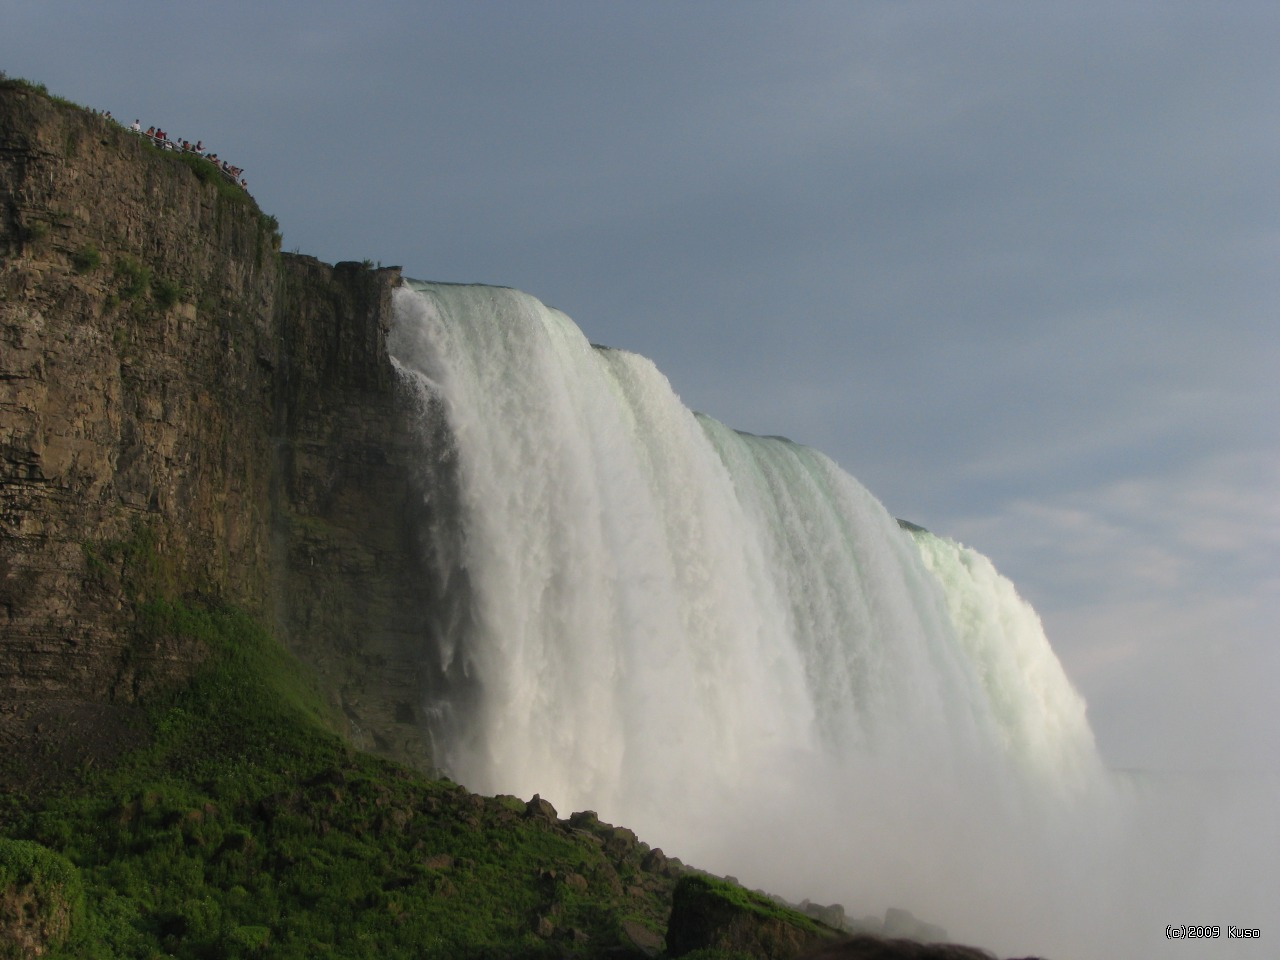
pixel 1014 267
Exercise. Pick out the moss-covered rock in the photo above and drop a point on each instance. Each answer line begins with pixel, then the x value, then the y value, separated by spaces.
pixel 41 899
pixel 716 918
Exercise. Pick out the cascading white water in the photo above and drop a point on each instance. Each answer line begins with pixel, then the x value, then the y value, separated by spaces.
pixel 726 643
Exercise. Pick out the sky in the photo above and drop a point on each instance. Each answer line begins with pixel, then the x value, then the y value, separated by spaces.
pixel 1015 266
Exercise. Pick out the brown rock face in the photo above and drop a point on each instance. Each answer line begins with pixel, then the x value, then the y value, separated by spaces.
pixel 28 924
pixel 181 406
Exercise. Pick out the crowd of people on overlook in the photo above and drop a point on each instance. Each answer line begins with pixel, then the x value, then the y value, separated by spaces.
pixel 162 140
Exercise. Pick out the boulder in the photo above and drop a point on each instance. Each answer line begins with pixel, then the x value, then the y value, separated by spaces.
pixel 832 916
pixel 640 939
pixel 537 807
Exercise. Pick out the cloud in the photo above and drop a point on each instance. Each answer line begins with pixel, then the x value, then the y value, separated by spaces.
pixel 1160 593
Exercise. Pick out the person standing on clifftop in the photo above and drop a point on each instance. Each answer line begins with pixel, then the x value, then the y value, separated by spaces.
pixel 137 126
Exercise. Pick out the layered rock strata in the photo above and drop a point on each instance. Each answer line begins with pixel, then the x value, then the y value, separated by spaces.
pixel 186 408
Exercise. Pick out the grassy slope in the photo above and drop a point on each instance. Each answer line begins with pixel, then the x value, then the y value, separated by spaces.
pixel 246 829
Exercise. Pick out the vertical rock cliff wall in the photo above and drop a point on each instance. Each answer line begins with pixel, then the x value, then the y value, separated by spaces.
pixel 182 406
pixel 350 591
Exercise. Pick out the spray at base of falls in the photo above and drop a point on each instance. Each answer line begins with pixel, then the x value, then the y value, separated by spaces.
pixel 726 643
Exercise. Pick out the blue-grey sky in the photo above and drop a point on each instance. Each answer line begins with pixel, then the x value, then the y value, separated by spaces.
pixel 1015 266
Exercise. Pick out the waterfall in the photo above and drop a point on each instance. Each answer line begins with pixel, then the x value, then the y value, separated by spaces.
pixel 726 643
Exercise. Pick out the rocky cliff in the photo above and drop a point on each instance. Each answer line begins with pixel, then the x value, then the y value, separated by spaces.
pixel 176 393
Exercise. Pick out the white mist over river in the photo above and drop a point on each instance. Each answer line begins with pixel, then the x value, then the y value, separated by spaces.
pixel 727 644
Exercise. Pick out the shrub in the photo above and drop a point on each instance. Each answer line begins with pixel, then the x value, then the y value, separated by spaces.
pixel 134 277
pixel 35 232
pixel 86 259
pixel 167 293
pixel 18 83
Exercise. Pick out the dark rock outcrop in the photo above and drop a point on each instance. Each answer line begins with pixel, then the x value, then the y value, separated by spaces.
pixel 710 914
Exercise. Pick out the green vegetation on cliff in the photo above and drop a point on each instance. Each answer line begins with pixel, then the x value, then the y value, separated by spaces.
pixel 243 826
pixel 246 828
